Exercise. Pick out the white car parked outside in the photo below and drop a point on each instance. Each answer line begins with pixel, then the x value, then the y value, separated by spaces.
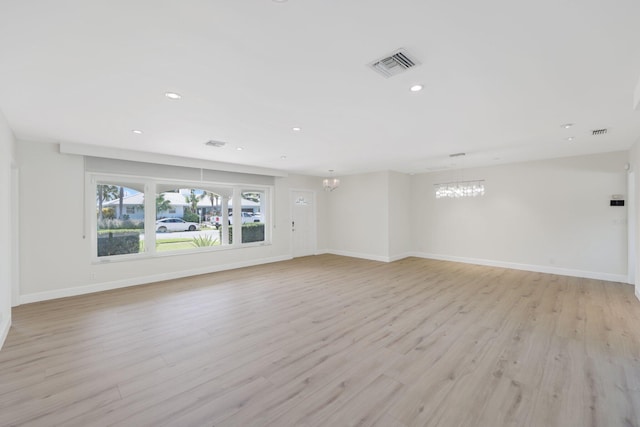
pixel 175 224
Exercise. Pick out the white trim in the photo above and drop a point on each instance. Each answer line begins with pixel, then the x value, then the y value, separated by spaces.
pixel 106 286
pixel 163 159
pixel 370 257
pixel 622 278
pixel 15 238
pixel 4 331
pixel 636 97
pixel 398 257
pixel 631 228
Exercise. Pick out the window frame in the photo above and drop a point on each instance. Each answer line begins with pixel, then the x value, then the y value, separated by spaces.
pixel 150 186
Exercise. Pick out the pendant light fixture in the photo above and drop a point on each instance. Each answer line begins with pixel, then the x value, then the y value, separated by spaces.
pixel 330 184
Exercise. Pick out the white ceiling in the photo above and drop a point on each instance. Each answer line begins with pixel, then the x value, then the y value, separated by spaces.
pixel 499 76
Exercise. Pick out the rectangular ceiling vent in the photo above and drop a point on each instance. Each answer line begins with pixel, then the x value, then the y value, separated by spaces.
pixel 396 63
pixel 599 132
pixel 457 154
pixel 217 144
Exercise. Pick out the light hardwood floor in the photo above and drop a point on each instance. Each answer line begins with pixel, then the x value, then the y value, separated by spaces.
pixel 331 341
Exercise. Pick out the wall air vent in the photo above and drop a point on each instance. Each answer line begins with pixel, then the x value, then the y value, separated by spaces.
pixel 396 63
pixel 599 132
pixel 217 144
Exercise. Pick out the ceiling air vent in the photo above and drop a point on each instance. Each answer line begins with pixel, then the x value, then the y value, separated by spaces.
pixel 457 154
pixel 396 63
pixel 599 132
pixel 217 144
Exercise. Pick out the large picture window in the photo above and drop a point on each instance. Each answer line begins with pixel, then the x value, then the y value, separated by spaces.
pixel 178 218
pixel 183 219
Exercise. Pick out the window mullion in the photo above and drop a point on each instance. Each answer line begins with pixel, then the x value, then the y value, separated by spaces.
pixel 237 216
pixel 150 217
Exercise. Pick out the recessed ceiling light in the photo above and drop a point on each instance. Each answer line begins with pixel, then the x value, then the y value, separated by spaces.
pixel 566 125
pixel 239 148
pixel 172 95
pixel 571 138
pixel 137 131
pixel 296 129
pixel 283 157
pixel 280 1
pixel 415 88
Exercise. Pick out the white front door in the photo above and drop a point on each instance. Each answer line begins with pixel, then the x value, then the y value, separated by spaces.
pixel 303 222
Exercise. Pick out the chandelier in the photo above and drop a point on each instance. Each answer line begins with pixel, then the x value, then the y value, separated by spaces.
pixel 330 184
pixel 459 189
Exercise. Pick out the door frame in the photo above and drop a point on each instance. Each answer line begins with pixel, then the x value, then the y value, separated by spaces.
pixel 314 220
pixel 631 229
pixel 14 233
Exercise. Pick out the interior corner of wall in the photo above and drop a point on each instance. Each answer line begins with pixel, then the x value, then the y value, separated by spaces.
pixel 5 325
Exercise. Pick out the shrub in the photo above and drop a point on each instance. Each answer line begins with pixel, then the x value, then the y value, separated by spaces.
pixel 116 224
pixel 203 241
pixel 251 232
pixel 118 243
pixel 191 217
pixel 127 223
pixel 108 213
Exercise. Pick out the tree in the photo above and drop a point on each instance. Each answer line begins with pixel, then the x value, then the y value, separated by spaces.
pixel 121 197
pixel 193 200
pixel 162 204
pixel 104 193
pixel 213 198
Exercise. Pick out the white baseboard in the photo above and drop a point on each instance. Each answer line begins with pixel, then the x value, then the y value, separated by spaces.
pixel 528 267
pixel 4 330
pixel 107 286
pixel 398 257
pixel 370 257
pixel 359 255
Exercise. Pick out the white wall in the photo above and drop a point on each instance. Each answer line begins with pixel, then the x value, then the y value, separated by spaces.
pixel 56 260
pixel 552 216
pixel 544 216
pixel 634 160
pixel 370 216
pixel 6 257
pixel 359 216
pixel 400 216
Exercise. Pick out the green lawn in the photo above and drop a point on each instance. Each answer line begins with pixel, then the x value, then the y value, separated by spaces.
pixel 162 245
pixel 175 244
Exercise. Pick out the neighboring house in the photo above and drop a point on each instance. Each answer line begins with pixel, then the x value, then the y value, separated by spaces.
pixel 133 206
